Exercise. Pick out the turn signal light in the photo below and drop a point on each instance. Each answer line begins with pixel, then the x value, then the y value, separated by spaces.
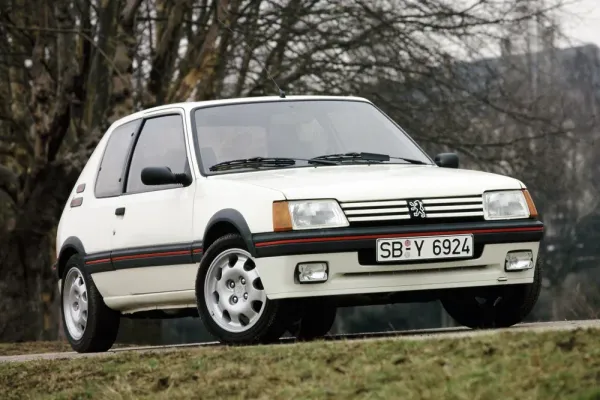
pixel 282 220
pixel 532 209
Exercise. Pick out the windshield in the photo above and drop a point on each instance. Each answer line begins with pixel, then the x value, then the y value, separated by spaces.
pixel 300 129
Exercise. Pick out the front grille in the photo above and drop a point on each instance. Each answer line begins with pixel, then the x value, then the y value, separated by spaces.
pixel 454 207
pixel 396 212
pixel 376 210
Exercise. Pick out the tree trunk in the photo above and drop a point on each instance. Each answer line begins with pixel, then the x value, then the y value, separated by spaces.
pixel 28 286
pixel 28 309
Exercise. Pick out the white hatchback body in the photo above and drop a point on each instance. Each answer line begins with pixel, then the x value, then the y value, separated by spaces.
pixel 350 225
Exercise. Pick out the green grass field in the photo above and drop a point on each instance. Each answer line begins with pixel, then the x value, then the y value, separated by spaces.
pixel 11 349
pixel 512 365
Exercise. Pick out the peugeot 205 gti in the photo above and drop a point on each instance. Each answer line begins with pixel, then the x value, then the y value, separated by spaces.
pixel 265 215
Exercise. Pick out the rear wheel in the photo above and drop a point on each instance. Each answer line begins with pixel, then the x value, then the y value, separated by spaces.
pixel 494 307
pixel 90 326
pixel 230 297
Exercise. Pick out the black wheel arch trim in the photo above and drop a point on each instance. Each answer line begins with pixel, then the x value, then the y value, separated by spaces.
pixel 235 218
pixel 71 243
pixel 75 243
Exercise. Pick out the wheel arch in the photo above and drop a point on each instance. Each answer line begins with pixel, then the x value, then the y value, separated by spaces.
pixel 227 221
pixel 72 245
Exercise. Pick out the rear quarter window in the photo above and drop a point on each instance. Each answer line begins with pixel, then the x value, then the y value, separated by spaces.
pixel 110 175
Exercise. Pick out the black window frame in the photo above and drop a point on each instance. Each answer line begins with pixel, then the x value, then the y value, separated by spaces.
pixel 187 167
pixel 196 144
pixel 132 141
pixel 129 155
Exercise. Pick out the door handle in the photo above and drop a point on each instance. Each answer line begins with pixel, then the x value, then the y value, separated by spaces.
pixel 120 211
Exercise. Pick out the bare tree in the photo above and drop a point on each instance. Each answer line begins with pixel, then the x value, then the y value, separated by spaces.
pixel 530 112
pixel 74 66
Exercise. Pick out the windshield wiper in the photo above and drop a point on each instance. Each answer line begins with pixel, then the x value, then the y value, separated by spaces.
pixel 369 157
pixel 262 162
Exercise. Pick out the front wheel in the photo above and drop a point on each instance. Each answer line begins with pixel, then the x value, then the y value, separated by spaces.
pixel 90 326
pixel 230 296
pixel 494 307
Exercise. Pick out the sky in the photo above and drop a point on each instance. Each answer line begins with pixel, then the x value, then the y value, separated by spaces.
pixel 581 20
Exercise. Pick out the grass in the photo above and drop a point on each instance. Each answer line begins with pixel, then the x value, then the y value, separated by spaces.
pixel 13 349
pixel 511 365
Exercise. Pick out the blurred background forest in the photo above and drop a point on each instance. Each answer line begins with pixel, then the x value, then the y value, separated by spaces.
pixel 494 80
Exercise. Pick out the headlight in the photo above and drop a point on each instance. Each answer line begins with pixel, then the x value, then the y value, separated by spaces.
pixel 315 214
pixel 506 204
pixel 307 214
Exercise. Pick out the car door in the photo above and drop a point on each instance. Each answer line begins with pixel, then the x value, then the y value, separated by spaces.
pixel 90 215
pixel 99 191
pixel 152 238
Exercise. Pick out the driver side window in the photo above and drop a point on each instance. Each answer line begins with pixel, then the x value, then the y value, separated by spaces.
pixel 161 144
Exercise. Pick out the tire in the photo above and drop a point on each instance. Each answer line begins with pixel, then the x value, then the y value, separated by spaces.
pixel 100 330
pixel 504 306
pixel 241 320
pixel 316 320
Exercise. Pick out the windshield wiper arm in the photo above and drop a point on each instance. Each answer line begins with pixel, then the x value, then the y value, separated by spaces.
pixel 262 162
pixel 329 159
pixel 341 157
pixel 354 156
pixel 410 160
pixel 254 162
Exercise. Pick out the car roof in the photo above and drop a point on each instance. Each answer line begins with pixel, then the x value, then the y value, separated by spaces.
pixel 190 105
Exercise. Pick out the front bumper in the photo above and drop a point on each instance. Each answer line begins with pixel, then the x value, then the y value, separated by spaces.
pixel 350 254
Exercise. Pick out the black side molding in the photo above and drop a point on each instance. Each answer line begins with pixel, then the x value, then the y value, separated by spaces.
pixel 146 256
pixel 99 262
pixel 197 251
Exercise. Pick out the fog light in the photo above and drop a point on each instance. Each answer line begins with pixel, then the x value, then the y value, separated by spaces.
pixel 518 261
pixel 312 272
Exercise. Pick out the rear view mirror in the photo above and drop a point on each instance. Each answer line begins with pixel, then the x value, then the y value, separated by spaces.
pixel 447 160
pixel 155 176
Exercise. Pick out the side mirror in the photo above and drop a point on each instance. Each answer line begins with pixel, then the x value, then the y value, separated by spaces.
pixel 155 176
pixel 447 160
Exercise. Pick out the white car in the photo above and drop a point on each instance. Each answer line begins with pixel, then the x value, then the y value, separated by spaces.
pixel 264 215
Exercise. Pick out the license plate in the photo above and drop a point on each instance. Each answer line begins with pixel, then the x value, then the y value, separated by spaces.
pixel 424 248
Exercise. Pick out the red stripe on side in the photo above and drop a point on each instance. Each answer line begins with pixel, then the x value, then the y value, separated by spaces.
pixel 150 255
pixel 196 251
pixel 101 261
pixel 394 235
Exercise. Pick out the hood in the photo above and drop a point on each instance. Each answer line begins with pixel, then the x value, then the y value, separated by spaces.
pixel 374 182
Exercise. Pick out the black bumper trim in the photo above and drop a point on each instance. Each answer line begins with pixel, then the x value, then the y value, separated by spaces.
pixel 354 240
